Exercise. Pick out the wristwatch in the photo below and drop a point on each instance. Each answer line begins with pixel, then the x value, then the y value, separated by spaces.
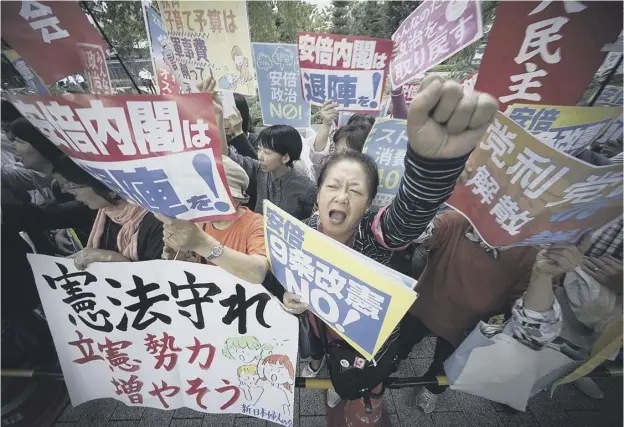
pixel 215 252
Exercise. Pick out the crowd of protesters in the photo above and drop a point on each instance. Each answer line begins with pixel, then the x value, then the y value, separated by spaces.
pixel 51 205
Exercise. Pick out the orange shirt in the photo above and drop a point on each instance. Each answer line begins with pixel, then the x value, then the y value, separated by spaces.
pixel 245 235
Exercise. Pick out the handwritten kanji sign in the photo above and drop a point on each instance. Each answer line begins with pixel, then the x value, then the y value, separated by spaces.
pixel 543 52
pixel 281 98
pixel 159 334
pixel 435 31
pixel 160 152
pixel 386 143
pixel 349 70
pixel 522 192
pixel 94 60
pixel 410 90
pixel 165 66
pixel 568 129
pixel 46 34
pixel 359 299
pixel 211 39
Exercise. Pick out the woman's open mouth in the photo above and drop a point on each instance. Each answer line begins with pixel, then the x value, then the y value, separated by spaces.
pixel 337 217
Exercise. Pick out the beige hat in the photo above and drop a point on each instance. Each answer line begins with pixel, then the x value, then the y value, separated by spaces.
pixel 237 179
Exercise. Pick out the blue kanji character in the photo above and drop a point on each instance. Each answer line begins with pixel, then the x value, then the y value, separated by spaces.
pixel 579 212
pixel 274 221
pixel 293 234
pixel 153 187
pixel 187 46
pixel 544 119
pixel 203 203
pixel 342 89
pixel 185 72
pixel 522 115
pixel 363 101
pixel 177 47
pixel 315 87
pixel 200 48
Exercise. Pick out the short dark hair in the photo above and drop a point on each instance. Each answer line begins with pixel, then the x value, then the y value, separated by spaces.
pixel 354 135
pixel 282 139
pixel 26 131
pixel 9 113
pixel 361 118
pixel 69 170
pixel 367 163
pixel 243 108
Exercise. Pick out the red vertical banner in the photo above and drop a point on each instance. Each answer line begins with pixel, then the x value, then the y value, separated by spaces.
pixel 46 35
pixel 546 52
pixel 94 60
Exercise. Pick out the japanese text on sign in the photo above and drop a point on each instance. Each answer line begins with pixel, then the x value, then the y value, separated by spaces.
pixel 547 40
pixel 211 39
pixel 387 144
pixel 349 70
pixel 94 60
pixel 165 66
pixel 522 191
pixel 157 153
pixel 361 313
pixel 435 31
pixel 567 129
pixel 137 331
pixel 281 99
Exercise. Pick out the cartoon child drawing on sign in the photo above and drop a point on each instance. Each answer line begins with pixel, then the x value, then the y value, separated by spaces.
pixel 248 378
pixel 242 66
pixel 278 374
pixel 246 350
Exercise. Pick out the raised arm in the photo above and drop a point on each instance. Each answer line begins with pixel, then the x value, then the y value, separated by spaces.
pixel 328 113
pixel 444 125
pixel 210 85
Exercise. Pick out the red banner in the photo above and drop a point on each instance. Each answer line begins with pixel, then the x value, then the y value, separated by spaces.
pixel 46 35
pixel 94 60
pixel 160 152
pixel 546 52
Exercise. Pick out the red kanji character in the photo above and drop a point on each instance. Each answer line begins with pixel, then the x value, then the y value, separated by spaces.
pixel 214 17
pixel 234 398
pixel 195 389
pixel 162 390
pixel 88 355
pixel 199 18
pixel 166 343
pixel 131 387
pixel 116 358
pixel 136 398
pixel 197 348
pixel 231 26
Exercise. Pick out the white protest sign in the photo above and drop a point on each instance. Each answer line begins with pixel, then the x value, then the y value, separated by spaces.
pixel 170 334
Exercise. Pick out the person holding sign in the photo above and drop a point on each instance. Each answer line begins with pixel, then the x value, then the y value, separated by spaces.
pixel 443 127
pixel 237 246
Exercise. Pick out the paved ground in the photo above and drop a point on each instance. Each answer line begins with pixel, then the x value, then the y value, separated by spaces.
pixel 569 408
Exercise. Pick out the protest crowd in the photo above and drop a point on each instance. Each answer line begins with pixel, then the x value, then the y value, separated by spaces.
pixel 485 213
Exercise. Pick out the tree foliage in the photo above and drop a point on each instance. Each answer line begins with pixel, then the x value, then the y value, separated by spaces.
pixel 123 23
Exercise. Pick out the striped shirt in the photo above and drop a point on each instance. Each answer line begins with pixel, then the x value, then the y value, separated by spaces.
pixel 426 184
pixel 293 192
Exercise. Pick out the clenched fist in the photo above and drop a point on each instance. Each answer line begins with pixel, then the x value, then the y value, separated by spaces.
pixel 444 122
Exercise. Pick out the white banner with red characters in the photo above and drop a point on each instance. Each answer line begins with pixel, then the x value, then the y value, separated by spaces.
pixel 160 152
pixel 170 334
pixel 94 60
pixel 349 70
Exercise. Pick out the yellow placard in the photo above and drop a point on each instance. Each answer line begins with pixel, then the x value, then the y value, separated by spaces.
pixel 341 283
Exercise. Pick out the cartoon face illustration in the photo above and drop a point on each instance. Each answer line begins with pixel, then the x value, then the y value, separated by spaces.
pixel 277 369
pixel 277 374
pixel 238 60
pixel 245 349
pixel 245 355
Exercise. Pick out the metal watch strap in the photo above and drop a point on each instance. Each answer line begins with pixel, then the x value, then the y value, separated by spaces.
pixel 216 252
